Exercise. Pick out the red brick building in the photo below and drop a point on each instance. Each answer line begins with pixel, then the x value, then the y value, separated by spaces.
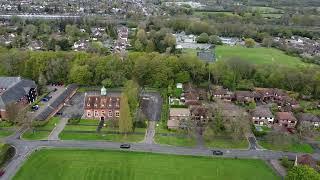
pixel 102 106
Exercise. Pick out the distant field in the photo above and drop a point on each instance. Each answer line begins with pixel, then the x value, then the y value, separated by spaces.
pixel 258 55
pixel 71 164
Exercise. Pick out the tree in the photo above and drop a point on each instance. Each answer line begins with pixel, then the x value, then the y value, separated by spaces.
pixel 249 43
pixel 80 75
pixel 302 172
pixel 30 30
pixel 141 36
pixel 125 120
pixel 42 82
pixel 138 45
pixel 267 42
pixel 305 129
pixel 213 39
pixel 203 38
pixel 131 90
pixel 17 113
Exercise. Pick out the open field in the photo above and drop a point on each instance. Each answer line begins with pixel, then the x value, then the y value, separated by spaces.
pixel 86 130
pixel 260 55
pixel 72 164
pixel 41 132
pixel 303 148
pixel 4 132
pixel 227 143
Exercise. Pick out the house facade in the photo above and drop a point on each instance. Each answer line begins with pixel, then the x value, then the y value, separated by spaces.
pixel 102 106
pixel 16 90
pixel 222 93
pixel 262 116
pixel 177 116
pixel 286 119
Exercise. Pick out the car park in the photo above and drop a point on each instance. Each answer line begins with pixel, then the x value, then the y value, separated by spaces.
pixel 217 152
pixel 125 146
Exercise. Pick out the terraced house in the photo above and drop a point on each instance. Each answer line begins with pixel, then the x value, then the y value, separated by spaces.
pixel 102 106
pixel 16 90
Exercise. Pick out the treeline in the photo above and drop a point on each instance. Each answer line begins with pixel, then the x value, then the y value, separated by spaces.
pixel 155 70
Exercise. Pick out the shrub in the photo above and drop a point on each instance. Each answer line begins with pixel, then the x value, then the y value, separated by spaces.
pixel 6 152
pixel 286 163
pixel 5 124
pixel 74 121
pixel 140 124
pixel 38 123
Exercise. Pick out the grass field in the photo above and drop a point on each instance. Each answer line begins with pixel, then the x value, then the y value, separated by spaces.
pixel 227 143
pixel 258 55
pixel 303 148
pixel 74 132
pixel 71 164
pixel 41 132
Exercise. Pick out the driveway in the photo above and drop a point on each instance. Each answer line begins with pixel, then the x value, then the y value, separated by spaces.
pixel 148 139
pixel 54 135
pixel 151 105
pixel 74 107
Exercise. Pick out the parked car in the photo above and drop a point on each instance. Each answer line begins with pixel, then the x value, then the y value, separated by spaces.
pixel 58 113
pixel 2 173
pixel 217 152
pixel 45 99
pixel 125 146
pixel 35 107
pixel 55 89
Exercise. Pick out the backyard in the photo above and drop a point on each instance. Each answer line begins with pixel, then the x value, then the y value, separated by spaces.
pixel 86 129
pixel 41 132
pixel 258 55
pixel 72 164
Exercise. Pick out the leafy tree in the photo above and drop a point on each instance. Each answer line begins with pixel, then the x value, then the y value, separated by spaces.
pixel 80 75
pixel 213 39
pixel 17 113
pixel 131 90
pixel 203 38
pixel 249 43
pixel 30 30
pixel 302 172
pixel 138 45
pixel 267 42
pixel 125 120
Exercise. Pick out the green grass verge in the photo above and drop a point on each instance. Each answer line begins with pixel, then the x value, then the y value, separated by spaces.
pixel 72 164
pixel 264 56
pixel 227 143
pixel 5 133
pixel 296 147
pixel 177 140
pixel 41 132
pixel 67 135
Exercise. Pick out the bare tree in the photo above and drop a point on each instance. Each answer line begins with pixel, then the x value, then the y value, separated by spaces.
pixel 17 113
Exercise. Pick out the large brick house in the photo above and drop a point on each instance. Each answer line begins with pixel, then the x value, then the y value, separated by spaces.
pixel 102 106
pixel 16 90
pixel 286 119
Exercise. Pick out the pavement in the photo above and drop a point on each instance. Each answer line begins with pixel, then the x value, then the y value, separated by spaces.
pixel 54 135
pixel 151 130
pixel 151 105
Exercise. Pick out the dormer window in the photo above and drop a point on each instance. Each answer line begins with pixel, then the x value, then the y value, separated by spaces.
pixel 95 105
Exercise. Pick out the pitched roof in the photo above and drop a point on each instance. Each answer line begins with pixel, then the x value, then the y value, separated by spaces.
pixel 262 111
pixel 179 112
pixel 308 117
pixel 285 116
pixel 12 89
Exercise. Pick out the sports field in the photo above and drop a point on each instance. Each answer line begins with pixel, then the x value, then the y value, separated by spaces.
pixel 258 55
pixel 71 164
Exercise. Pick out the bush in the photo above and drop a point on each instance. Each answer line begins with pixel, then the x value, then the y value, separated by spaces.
pixel 286 163
pixel 74 121
pixel 178 106
pixel 5 124
pixel 38 123
pixel 140 124
pixel 6 153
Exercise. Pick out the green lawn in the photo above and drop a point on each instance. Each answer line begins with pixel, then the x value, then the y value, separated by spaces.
pixel 296 147
pixel 91 125
pixel 41 132
pixel 72 164
pixel 177 138
pixel 258 55
pixel 5 132
pixel 227 143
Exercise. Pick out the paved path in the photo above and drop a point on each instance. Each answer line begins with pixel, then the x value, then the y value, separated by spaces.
pixel 150 132
pixel 278 167
pixel 54 135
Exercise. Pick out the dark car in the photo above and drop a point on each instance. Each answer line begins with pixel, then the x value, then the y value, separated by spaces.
pixel 55 89
pixel 2 173
pixel 35 107
pixel 125 146
pixel 45 99
pixel 217 152
pixel 58 113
